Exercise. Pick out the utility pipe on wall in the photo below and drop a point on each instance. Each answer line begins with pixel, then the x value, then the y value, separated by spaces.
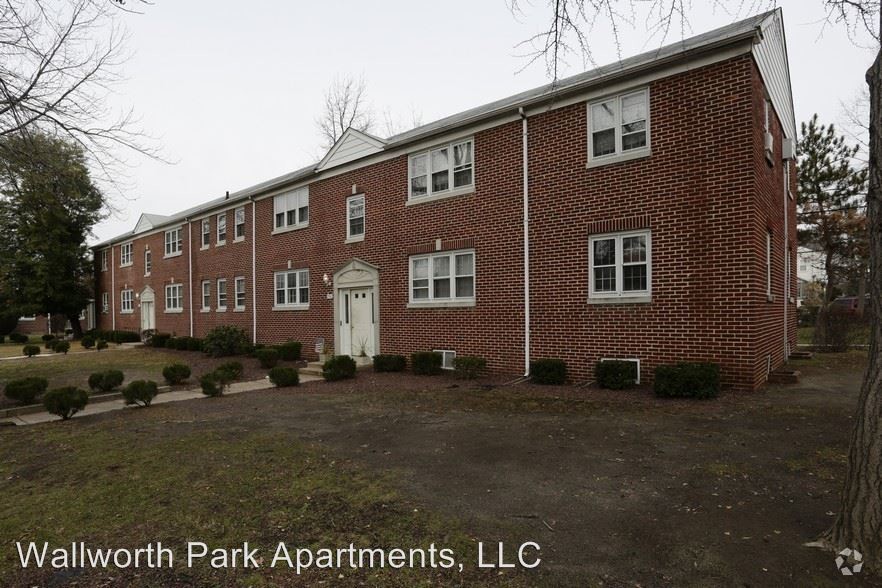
pixel 526 242
pixel 112 287
pixel 253 270
pixel 190 269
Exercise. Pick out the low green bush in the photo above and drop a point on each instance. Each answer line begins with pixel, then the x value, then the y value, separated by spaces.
pixel 88 341
pixel 215 383
pixel 550 371
pixel 116 336
pixel 171 343
pixel 284 376
pixel 194 344
pixel 225 340
pixel 290 351
pixel 48 341
pixel 158 340
pixel 268 357
pixel 468 367
pixel 140 392
pixel 25 390
pixel 106 381
pixel 616 375
pixel 339 367
pixel 687 380
pixel 176 373
pixel 65 402
pixel 233 369
pixel 389 363
pixel 100 344
pixel 426 363
pixel 30 350
pixel 61 347
pixel 18 338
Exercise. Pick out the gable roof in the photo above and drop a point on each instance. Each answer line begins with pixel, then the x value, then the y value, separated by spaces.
pixel 765 31
pixel 147 222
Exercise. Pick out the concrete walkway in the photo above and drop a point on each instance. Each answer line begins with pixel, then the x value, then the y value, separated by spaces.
pixel 161 398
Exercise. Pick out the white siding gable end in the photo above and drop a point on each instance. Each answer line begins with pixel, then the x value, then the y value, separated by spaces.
pixel 770 53
pixel 350 146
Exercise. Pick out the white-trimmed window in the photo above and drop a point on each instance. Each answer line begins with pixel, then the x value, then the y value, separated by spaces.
pixel 620 265
pixel 206 295
pixel 240 293
pixel 292 289
pixel 221 228
pixel 618 125
pixel 443 277
pixel 206 233
pixel 174 298
pixel 441 170
pixel 104 260
pixel 239 220
pixel 355 210
pixel 148 263
pixel 105 303
pixel 291 210
pixel 125 255
pixel 447 358
pixel 222 294
pixel 127 301
pixel 174 242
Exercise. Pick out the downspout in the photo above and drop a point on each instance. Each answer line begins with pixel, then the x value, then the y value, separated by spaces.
pixel 787 261
pixel 253 270
pixel 112 287
pixel 526 243
pixel 190 268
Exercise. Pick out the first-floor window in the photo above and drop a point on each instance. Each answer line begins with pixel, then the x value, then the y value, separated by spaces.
pixel 127 301
pixel 240 293
pixel 620 265
pixel 222 294
pixel 355 216
pixel 174 297
pixel 292 288
pixel 206 295
pixel 105 303
pixel 443 277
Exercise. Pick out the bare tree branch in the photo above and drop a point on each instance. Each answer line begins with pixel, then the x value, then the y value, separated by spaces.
pixel 345 106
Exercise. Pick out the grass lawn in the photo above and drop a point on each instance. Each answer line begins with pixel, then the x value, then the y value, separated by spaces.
pixel 14 349
pixel 804 335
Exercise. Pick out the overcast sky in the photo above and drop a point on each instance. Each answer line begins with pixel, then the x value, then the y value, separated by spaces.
pixel 231 90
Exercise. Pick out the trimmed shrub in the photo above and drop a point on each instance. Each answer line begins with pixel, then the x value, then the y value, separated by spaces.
pixel 232 369
pixel 2 339
pixel 25 390
pixel 268 358
pixel 100 344
pixel 48 341
pixel 140 392
pixel 224 341
pixel 687 380
pixel 88 341
pixel 283 376
pixel 171 343
pixel 158 339
pixel 389 363
pixel 616 375
pixel 176 373
pixel 194 344
pixel 30 350
pixel 469 367
pixel 215 383
pixel 339 367
pixel 117 336
pixel 551 371
pixel 47 337
pixel 426 363
pixel 290 351
pixel 65 402
pixel 18 338
pixel 61 347
pixel 106 381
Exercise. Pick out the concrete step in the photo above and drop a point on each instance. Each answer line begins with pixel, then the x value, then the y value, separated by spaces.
pixel 801 355
pixel 784 376
pixel 313 368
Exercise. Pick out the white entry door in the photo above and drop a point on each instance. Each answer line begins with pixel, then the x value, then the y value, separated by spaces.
pixel 148 310
pixel 357 322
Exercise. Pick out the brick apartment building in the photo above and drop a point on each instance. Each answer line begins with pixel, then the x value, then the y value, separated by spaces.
pixel 643 210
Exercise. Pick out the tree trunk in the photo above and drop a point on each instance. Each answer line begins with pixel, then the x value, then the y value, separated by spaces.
pixel 820 336
pixel 859 523
pixel 75 326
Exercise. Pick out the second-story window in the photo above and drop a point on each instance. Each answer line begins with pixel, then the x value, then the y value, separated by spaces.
pixel 441 170
pixel 104 260
pixel 221 228
pixel 619 125
pixel 240 224
pixel 148 262
pixel 291 210
pixel 174 243
pixel 206 232
pixel 355 217
pixel 125 254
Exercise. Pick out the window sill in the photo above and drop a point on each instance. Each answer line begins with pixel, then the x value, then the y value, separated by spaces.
pixel 238 239
pixel 289 229
pixel 357 239
pixel 220 243
pixel 173 310
pixel 450 304
pixel 239 309
pixel 299 307
pixel 411 201
pixel 127 312
pixel 205 248
pixel 619 158
pixel 621 300
pixel 221 309
pixel 146 275
pixel 167 255
pixel 205 310
pixel 126 264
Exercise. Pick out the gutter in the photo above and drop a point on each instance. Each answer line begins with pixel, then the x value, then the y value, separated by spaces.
pixel 113 288
pixel 254 270
pixel 190 268
pixel 526 174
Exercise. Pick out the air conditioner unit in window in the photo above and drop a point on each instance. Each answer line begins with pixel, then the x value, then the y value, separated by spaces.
pixel 770 145
pixel 788 149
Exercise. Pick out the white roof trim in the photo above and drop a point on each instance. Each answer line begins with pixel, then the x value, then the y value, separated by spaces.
pixel 352 144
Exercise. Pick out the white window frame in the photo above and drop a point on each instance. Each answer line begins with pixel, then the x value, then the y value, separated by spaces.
pixel 127 301
pixel 221 294
pixel 206 233
pixel 451 190
pixel 350 236
pixel 206 295
pixel 174 242
pixel 126 253
pixel 221 228
pixel 620 154
pixel 620 294
pixel 298 304
pixel 447 357
pixel 237 213
pixel 174 298
pixel 148 263
pixel 105 303
pixel 453 299
pixel 237 291
pixel 104 260
pixel 291 203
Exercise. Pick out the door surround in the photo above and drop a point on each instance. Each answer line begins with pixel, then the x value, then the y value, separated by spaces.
pixel 147 295
pixel 356 274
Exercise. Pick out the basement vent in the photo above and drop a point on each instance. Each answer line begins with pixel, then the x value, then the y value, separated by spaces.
pixel 447 358
pixel 635 361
